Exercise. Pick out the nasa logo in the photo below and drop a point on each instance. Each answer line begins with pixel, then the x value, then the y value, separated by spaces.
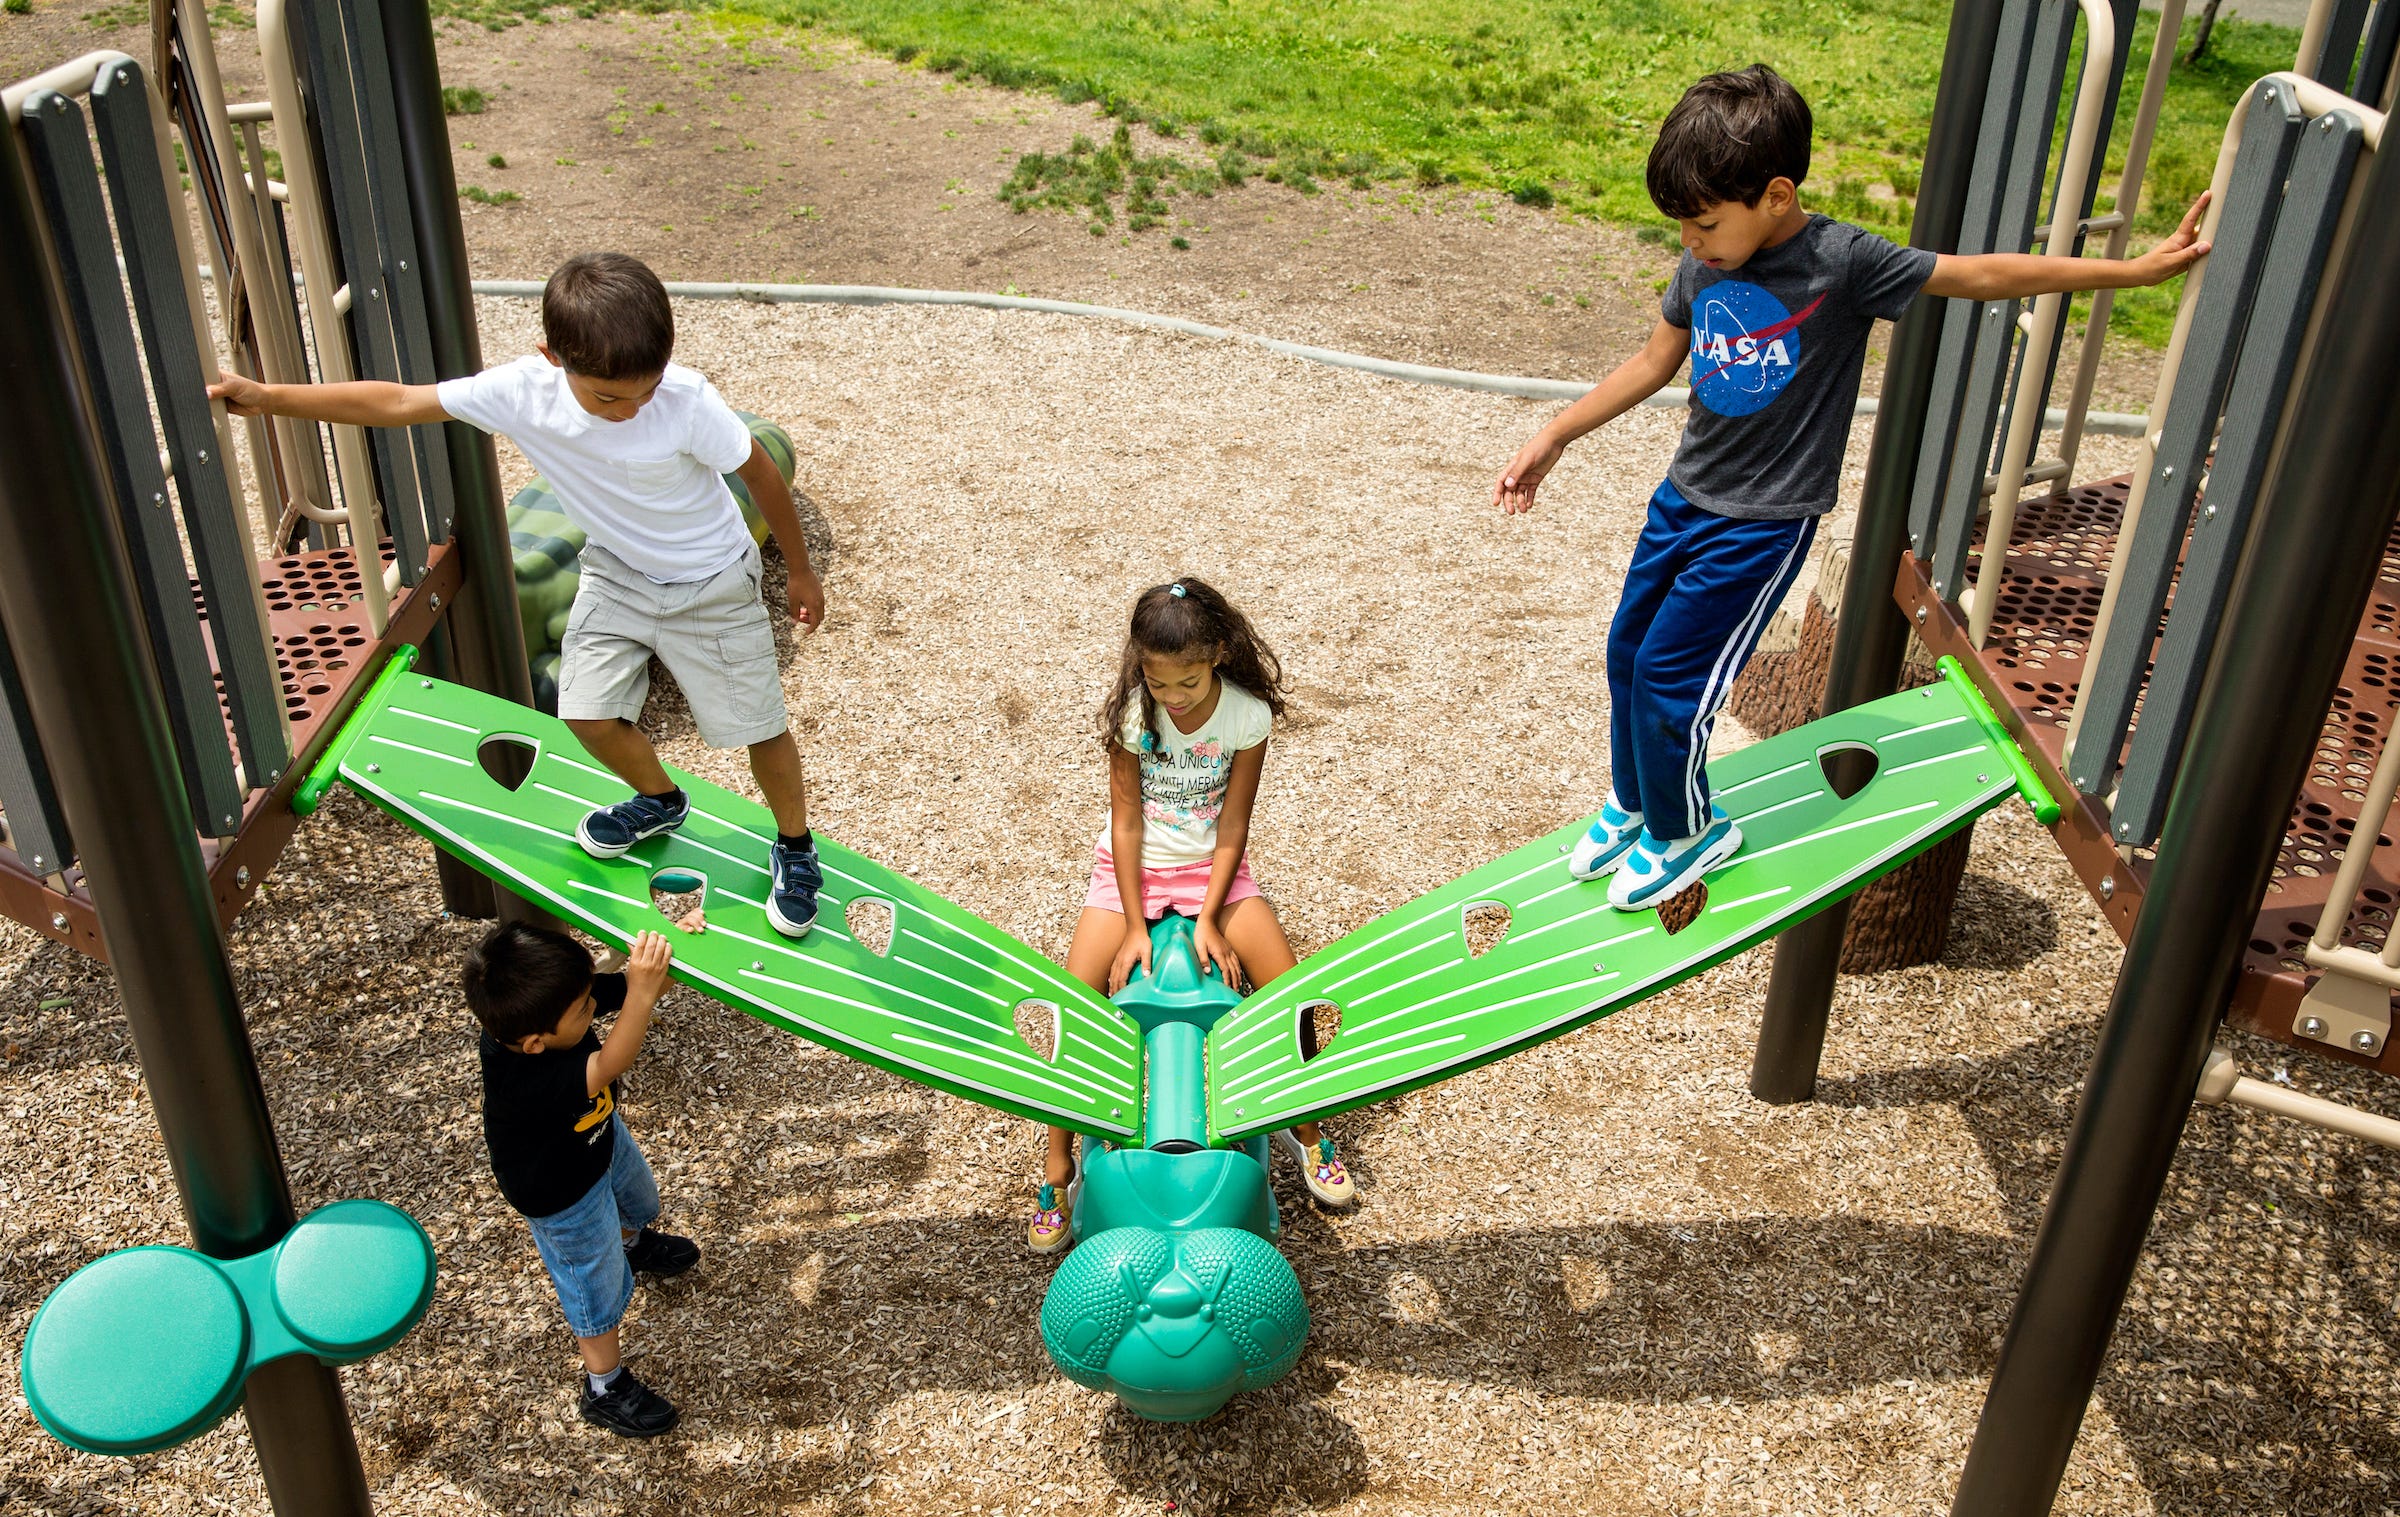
pixel 1745 346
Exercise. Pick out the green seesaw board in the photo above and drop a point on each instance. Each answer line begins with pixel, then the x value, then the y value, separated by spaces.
pixel 1416 1006
pixel 939 1006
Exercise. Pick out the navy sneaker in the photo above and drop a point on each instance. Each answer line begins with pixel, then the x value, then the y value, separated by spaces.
pixel 611 830
pixel 662 1254
pixel 792 904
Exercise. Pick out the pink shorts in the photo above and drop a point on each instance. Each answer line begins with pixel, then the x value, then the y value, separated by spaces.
pixel 1182 888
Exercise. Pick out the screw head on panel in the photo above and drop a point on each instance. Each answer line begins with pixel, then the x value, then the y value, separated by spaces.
pixel 374 769
pixel 2365 1041
pixel 2208 511
pixel 204 455
pixel 424 684
pixel 2108 888
pixel 58 919
pixel 1920 615
pixel 437 600
pixel 39 861
pixel 241 876
pixel 2312 1027
pixel 1983 779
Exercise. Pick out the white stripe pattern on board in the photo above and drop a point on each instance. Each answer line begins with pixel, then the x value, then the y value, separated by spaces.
pixel 1939 758
pixel 393 742
pixel 443 721
pixel 497 816
pixel 1826 832
pixel 1760 779
pixel 951 1039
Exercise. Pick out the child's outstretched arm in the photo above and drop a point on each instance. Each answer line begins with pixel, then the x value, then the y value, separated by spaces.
pixel 805 595
pixel 1633 381
pixel 358 403
pixel 2005 276
pixel 645 982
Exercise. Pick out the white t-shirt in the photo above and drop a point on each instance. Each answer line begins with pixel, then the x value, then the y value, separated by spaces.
pixel 648 489
pixel 1185 774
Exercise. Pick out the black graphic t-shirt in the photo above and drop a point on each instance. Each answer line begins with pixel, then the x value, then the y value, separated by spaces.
pixel 551 1140
pixel 1777 349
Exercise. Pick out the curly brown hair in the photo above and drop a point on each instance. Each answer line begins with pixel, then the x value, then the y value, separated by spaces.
pixel 1187 618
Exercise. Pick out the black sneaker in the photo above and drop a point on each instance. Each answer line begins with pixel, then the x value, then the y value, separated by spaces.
pixel 792 904
pixel 629 1408
pixel 609 831
pixel 662 1254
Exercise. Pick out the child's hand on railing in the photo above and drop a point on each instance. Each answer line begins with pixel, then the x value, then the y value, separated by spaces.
pixel 2180 251
pixel 243 397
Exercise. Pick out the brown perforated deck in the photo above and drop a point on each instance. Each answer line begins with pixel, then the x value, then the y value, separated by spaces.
pixel 324 648
pixel 2032 667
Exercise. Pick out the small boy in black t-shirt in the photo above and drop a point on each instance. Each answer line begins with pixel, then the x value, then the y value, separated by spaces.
pixel 560 1149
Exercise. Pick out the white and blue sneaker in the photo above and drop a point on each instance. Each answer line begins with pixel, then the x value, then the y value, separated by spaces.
pixel 1652 871
pixel 608 832
pixel 1603 848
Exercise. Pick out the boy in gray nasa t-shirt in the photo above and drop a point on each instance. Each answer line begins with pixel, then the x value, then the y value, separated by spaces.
pixel 1771 305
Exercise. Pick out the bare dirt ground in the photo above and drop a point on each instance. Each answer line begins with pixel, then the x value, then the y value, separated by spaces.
pixel 1598 1277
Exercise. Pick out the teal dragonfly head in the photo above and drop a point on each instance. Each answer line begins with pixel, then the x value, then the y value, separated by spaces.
pixel 1175 1297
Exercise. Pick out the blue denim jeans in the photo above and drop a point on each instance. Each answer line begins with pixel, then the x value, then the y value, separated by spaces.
pixel 583 1247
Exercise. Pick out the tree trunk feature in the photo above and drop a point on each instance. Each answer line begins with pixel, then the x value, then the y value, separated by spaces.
pixel 1903 918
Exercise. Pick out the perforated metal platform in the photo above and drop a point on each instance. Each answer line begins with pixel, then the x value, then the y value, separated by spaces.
pixel 2058 558
pixel 323 644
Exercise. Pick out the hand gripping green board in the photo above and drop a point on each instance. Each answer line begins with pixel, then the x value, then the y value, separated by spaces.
pixel 1416 1006
pixel 938 1007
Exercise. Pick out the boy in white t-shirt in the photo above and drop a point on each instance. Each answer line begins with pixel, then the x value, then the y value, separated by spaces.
pixel 635 447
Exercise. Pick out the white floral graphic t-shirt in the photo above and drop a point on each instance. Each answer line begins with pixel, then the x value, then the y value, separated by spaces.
pixel 1184 774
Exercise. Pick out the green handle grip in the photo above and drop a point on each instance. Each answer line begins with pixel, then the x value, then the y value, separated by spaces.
pixel 2029 784
pixel 311 790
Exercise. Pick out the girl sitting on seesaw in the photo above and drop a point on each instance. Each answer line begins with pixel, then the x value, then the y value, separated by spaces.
pixel 1186 732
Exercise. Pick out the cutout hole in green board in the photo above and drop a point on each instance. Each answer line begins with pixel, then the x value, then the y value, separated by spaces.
pixel 1037 1028
pixel 678 892
pixel 1847 767
pixel 1319 1023
pixel 1485 924
pixel 507 759
pixel 870 924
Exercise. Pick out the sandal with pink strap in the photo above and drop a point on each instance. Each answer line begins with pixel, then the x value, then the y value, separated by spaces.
pixel 1053 1224
pixel 1325 1176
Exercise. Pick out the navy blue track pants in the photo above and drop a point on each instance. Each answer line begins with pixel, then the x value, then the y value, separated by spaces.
pixel 1697 595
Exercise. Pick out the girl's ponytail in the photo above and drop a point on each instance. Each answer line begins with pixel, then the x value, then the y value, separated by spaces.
pixel 1182 619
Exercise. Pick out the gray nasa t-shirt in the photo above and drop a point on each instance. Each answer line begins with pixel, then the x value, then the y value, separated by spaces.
pixel 1777 348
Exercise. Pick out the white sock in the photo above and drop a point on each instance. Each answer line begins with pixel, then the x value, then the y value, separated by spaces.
pixel 601 1383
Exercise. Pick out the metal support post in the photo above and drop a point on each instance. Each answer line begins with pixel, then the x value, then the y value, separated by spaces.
pixel 2312 560
pixel 1870 637
pixel 486 639
pixel 67 605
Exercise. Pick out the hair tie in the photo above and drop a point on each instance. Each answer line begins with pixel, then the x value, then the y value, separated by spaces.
pixel 1176 589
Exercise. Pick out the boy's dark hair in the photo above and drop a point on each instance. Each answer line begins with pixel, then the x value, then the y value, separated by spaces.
pixel 520 981
pixel 1726 139
pixel 1182 619
pixel 605 316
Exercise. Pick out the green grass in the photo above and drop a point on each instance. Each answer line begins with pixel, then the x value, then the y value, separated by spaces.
pixel 463 100
pixel 482 196
pixel 1552 102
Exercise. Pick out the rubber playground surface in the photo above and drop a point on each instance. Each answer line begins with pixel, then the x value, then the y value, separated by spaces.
pixel 1597 1277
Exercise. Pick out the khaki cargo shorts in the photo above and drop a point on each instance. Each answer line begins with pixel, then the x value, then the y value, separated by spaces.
pixel 713 635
